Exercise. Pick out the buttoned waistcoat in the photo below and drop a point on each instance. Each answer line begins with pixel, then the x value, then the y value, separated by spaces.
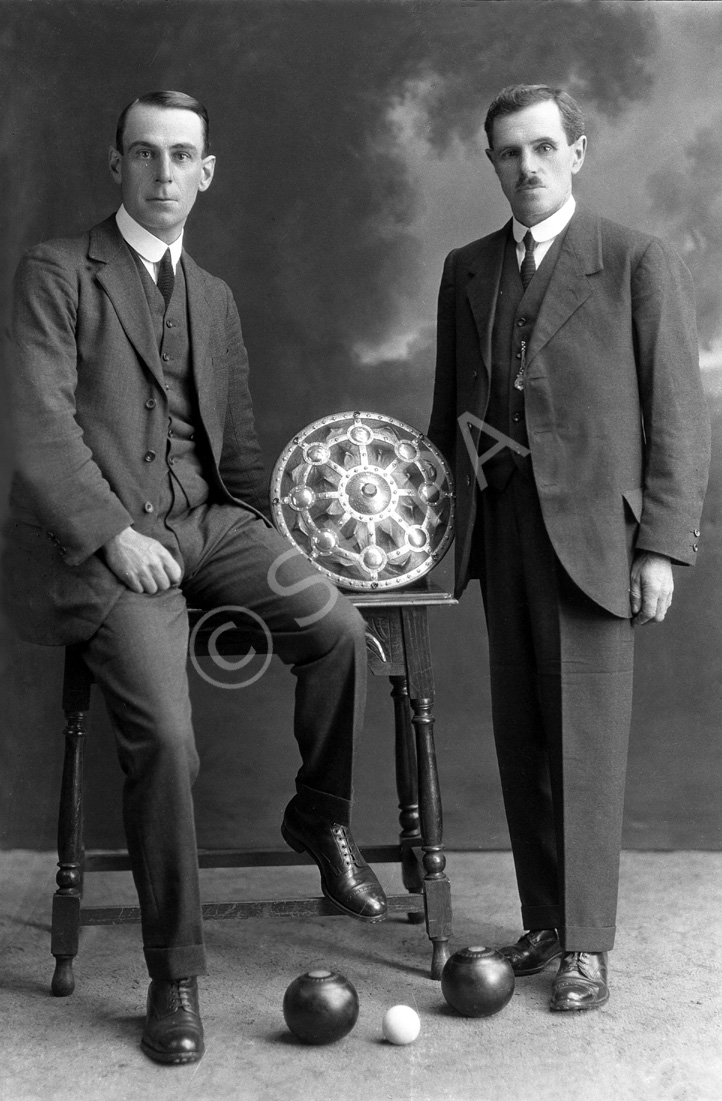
pixel 616 418
pixel 89 402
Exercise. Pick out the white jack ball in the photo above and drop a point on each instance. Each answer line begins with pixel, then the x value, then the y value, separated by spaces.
pixel 401 1025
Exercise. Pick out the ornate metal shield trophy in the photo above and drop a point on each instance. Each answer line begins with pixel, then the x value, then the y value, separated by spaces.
pixel 368 499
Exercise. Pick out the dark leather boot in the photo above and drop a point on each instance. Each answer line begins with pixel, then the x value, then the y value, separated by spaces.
pixel 532 952
pixel 346 879
pixel 581 981
pixel 173 1029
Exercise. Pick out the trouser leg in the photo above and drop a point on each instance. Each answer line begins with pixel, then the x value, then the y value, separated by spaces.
pixel 314 629
pixel 518 721
pixel 138 658
pixel 586 695
pixel 561 676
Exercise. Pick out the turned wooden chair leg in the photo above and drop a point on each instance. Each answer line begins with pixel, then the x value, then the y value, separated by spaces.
pixel 67 898
pixel 407 790
pixel 437 890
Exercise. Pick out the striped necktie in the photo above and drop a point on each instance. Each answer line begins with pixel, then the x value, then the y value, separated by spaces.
pixel 166 277
pixel 528 267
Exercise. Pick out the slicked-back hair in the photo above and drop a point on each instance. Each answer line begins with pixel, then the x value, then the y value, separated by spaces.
pixel 515 97
pixel 167 99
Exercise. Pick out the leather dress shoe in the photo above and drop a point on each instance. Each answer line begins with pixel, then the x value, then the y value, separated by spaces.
pixel 581 982
pixel 532 952
pixel 173 1029
pixel 346 879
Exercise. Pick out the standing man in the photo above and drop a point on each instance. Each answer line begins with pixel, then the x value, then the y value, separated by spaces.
pixel 568 397
pixel 140 489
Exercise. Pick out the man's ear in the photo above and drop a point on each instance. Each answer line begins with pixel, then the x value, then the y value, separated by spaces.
pixel 490 154
pixel 115 164
pixel 207 169
pixel 580 148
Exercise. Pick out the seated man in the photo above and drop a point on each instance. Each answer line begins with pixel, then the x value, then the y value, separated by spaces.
pixel 139 490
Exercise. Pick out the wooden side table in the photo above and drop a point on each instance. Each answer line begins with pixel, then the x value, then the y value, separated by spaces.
pixel 398 644
pixel 398 647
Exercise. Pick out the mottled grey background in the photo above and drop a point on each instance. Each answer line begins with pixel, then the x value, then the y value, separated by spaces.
pixel 349 163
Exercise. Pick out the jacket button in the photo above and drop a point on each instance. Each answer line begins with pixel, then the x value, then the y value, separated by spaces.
pixel 171 462
pixel 169 324
pixel 150 404
pixel 521 321
pixel 695 546
pixel 165 357
pixel 696 534
pixel 147 507
pixel 149 456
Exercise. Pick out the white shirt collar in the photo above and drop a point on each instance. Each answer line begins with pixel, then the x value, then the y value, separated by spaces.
pixel 551 227
pixel 149 247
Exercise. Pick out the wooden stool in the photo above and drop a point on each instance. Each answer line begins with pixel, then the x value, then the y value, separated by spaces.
pixel 397 637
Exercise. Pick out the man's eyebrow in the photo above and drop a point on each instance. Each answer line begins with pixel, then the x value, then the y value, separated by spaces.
pixel 153 145
pixel 534 141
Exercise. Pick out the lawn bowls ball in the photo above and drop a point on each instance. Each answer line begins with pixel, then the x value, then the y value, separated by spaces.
pixel 320 1007
pixel 477 982
pixel 401 1025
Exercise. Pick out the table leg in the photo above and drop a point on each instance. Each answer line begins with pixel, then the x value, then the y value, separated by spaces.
pixel 437 889
pixel 407 790
pixel 66 900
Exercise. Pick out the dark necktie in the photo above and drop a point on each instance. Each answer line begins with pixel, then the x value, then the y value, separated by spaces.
pixel 528 267
pixel 166 277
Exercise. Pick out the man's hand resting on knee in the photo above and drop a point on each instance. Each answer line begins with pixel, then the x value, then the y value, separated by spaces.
pixel 141 563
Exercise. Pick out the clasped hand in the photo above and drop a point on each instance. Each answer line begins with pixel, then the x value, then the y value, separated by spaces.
pixel 141 563
pixel 651 587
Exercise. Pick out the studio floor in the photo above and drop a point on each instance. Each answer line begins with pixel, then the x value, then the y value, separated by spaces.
pixel 658 1039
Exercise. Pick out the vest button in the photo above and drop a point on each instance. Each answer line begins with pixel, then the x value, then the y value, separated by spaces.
pixel 165 357
pixel 147 507
pixel 150 404
pixel 149 456
pixel 521 321
pixel 169 324
pixel 516 418
pixel 171 462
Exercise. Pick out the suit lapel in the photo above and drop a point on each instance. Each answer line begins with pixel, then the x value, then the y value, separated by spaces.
pixel 199 324
pixel 120 280
pixel 581 254
pixel 483 288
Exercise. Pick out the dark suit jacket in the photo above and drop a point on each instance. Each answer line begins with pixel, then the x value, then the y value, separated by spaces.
pixel 616 417
pixel 89 402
